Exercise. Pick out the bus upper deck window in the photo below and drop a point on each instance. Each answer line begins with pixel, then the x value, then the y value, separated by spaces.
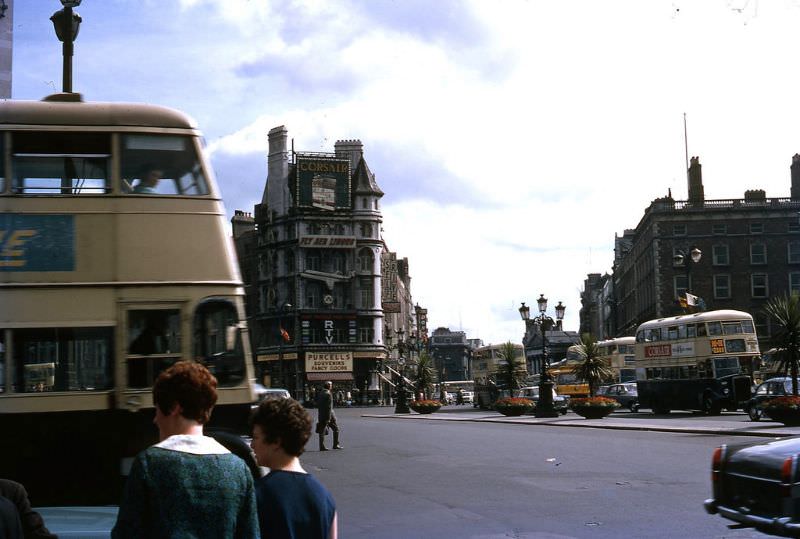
pixel 161 165
pixel 732 328
pixel 714 328
pixel 747 326
pixel 56 163
pixel 701 330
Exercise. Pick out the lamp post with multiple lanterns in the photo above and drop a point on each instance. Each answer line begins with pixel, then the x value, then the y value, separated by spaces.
pixel 544 408
pixel 687 258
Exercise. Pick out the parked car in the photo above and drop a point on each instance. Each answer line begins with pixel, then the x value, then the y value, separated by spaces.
pixel 468 396
pixel 625 394
pixel 770 389
pixel 270 393
pixel 758 485
pixel 560 402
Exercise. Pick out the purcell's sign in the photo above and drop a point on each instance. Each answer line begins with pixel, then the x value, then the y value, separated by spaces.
pixel 329 361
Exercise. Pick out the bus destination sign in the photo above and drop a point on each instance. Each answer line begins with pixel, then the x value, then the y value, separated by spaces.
pixel 658 350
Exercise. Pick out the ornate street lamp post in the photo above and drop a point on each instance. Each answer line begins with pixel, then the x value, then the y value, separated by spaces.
pixel 67 23
pixel 687 258
pixel 544 408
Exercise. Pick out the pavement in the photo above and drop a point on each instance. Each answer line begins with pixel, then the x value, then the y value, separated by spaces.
pixel 727 424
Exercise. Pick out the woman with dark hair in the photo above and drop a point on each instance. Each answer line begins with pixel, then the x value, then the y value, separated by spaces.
pixel 187 485
pixel 291 502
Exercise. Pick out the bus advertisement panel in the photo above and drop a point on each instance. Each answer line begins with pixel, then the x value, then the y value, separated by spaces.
pixel 702 361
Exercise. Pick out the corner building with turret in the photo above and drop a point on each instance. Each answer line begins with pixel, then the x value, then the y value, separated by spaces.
pixel 313 276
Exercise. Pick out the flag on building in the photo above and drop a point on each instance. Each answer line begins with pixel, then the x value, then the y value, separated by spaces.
pixel 682 302
pixel 285 335
pixel 691 299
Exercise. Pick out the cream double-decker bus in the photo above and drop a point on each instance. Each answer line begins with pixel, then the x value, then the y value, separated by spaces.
pixel 620 355
pixel 115 262
pixel 702 361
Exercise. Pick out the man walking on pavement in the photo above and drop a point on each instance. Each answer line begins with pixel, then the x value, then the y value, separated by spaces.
pixel 326 418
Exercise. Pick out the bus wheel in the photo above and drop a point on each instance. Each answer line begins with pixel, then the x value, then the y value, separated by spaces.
pixel 711 406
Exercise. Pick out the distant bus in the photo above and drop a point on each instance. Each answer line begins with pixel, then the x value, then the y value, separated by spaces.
pixel 103 285
pixel 620 354
pixel 702 361
pixel 563 375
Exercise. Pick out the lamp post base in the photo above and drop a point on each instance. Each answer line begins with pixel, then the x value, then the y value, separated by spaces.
pixel 401 401
pixel 545 408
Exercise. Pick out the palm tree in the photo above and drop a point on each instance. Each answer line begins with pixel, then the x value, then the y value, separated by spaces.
pixel 425 375
pixel 513 372
pixel 785 312
pixel 592 369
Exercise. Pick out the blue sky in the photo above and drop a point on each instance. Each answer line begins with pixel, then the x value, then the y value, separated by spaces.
pixel 513 138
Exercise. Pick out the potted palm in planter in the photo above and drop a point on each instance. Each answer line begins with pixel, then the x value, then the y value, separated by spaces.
pixel 594 371
pixel 425 406
pixel 513 406
pixel 785 313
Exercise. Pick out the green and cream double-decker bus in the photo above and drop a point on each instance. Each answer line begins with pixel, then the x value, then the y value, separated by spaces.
pixel 702 361
pixel 115 262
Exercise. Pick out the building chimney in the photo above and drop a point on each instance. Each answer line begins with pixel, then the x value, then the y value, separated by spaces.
pixel 276 193
pixel 696 196
pixel 349 149
pixel 795 168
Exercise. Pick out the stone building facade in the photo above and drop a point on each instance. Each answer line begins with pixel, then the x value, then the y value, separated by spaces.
pixel 312 258
pixel 451 353
pixel 750 253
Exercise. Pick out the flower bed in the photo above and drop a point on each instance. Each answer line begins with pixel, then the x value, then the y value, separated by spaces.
pixel 425 406
pixel 593 407
pixel 785 410
pixel 513 406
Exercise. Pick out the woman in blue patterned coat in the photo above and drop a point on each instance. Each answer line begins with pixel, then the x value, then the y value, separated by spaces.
pixel 187 485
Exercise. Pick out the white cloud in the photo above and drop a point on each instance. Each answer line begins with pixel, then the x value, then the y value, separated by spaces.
pixel 553 124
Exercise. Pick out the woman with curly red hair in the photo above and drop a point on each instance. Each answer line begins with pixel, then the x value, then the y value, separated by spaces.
pixel 188 484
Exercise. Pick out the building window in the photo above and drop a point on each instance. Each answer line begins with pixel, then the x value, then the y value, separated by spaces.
pixel 678 230
pixel 312 295
pixel 313 260
pixel 758 253
pixel 719 229
pixel 794 283
pixel 680 285
pixel 759 285
pixel 366 333
pixel 722 286
pixel 794 227
pixel 366 293
pixel 720 255
pixel 337 263
pixel 366 230
pixel 288 255
pixel 756 228
pixel 366 260
pixel 794 252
